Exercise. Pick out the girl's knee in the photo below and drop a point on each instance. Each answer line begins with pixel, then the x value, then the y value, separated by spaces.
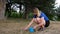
pixel 34 20
pixel 38 19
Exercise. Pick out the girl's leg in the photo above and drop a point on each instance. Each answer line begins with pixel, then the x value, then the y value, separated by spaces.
pixel 40 24
pixel 42 27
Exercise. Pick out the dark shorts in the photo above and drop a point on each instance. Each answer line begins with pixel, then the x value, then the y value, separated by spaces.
pixel 47 23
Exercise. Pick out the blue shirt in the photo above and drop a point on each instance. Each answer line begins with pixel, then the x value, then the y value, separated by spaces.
pixel 42 15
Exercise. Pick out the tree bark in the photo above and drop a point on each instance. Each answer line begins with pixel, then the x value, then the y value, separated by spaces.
pixel 2 9
pixel 28 9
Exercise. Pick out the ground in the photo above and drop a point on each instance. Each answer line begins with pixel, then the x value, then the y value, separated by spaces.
pixel 13 26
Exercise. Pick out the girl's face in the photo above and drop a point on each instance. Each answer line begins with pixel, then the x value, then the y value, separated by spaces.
pixel 36 12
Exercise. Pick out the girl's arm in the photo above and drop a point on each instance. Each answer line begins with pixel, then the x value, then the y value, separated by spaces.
pixel 42 22
pixel 29 24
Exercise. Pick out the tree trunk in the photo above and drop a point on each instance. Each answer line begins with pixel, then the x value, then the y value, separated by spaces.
pixel 2 9
pixel 28 9
pixel 26 13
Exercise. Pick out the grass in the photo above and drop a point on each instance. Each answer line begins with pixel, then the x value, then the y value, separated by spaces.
pixel 13 26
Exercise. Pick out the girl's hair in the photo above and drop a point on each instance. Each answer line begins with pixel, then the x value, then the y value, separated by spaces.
pixel 36 10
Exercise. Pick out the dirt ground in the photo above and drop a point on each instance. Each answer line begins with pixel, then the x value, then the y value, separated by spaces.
pixel 13 26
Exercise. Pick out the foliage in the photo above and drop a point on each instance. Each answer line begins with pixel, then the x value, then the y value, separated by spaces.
pixel 44 5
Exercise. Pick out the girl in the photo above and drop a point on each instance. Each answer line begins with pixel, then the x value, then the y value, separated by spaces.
pixel 40 18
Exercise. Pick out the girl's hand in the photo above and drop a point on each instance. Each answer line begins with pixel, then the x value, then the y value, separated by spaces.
pixel 25 29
